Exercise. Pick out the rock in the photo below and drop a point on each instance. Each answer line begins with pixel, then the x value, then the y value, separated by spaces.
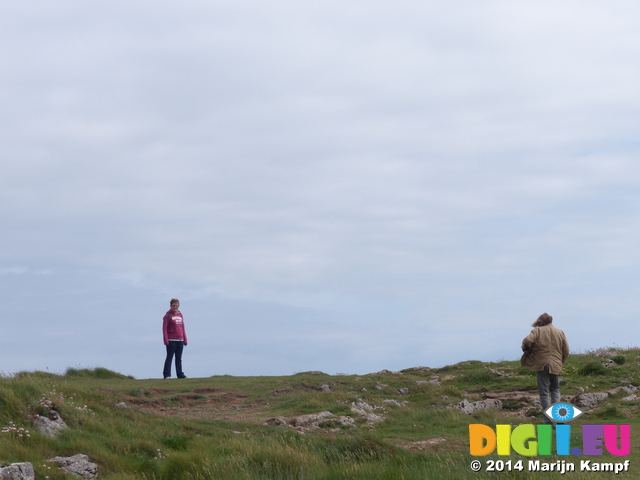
pixel 385 371
pixel 311 419
pixel 395 402
pixel 365 411
pixel 277 421
pixel 121 405
pixel 402 391
pixel 18 471
pixel 78 465
pixel 51 427
pixel 627 390
pixel 418 369
pixel 630 398
pixel 324 388
pixel 363 405
pixel 428 382
pixel 466 407
pixel 379 387
pixel 304 423
pixel 589 400
pixel 372 417
pixel 424 445
pixel 344 421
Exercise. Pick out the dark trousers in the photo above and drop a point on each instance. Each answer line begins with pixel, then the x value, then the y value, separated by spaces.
pixel 174 348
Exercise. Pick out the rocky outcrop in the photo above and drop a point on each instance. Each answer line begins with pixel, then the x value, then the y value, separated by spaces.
pixel 467 407
pixel 624 389
pixel 18 471
pixel 395 402
pixel 277 422
pixel 344 421
pixel 310 420
pixel 78 465
pixel 50 427
pixel 521 402
pixel 371 414
pixel 592 400
pixel 364 410
pixel 589 400
pixel 497 373
pixel 304 423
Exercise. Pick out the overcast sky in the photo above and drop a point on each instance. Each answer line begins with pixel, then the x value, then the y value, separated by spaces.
pixel 335 186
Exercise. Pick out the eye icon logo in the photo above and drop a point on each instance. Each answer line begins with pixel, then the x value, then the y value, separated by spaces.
pixel 562 412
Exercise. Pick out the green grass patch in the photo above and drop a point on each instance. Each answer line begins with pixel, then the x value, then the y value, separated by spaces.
pixel 213 428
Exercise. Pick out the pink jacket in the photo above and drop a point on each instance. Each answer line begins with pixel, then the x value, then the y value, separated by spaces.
pixel 173 327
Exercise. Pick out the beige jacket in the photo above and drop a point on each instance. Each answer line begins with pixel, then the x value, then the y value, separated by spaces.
pixel 550 347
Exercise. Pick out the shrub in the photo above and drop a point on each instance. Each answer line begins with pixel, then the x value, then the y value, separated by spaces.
pixel 592 368
pixel 619 359
pixel 99 372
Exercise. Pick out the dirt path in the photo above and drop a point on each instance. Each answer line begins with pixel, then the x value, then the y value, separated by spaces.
pixel 209 403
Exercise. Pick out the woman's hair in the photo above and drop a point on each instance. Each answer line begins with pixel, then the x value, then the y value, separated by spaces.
pixel 174 300
pixel 544 319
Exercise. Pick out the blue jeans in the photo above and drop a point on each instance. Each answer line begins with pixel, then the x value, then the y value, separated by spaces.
pixel 174 348
pixel 548 389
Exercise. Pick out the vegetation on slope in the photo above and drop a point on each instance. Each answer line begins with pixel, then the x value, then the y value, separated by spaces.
pixel 210 428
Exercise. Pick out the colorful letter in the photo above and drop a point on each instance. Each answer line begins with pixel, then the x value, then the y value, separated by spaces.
pixel 503 432
pixel 611 440
pixel 523 440
pixel 563 439
pixel 544 439
pixel 592 439
pixel 478 435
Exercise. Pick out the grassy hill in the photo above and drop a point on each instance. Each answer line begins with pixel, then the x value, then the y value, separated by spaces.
pixel 226 427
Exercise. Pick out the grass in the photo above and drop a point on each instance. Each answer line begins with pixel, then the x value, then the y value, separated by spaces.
pixel 211 428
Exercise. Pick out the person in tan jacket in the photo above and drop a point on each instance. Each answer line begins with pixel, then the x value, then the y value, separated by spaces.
pixel 546 349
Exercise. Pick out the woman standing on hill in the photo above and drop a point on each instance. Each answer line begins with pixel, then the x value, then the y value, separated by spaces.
pixel 175 338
